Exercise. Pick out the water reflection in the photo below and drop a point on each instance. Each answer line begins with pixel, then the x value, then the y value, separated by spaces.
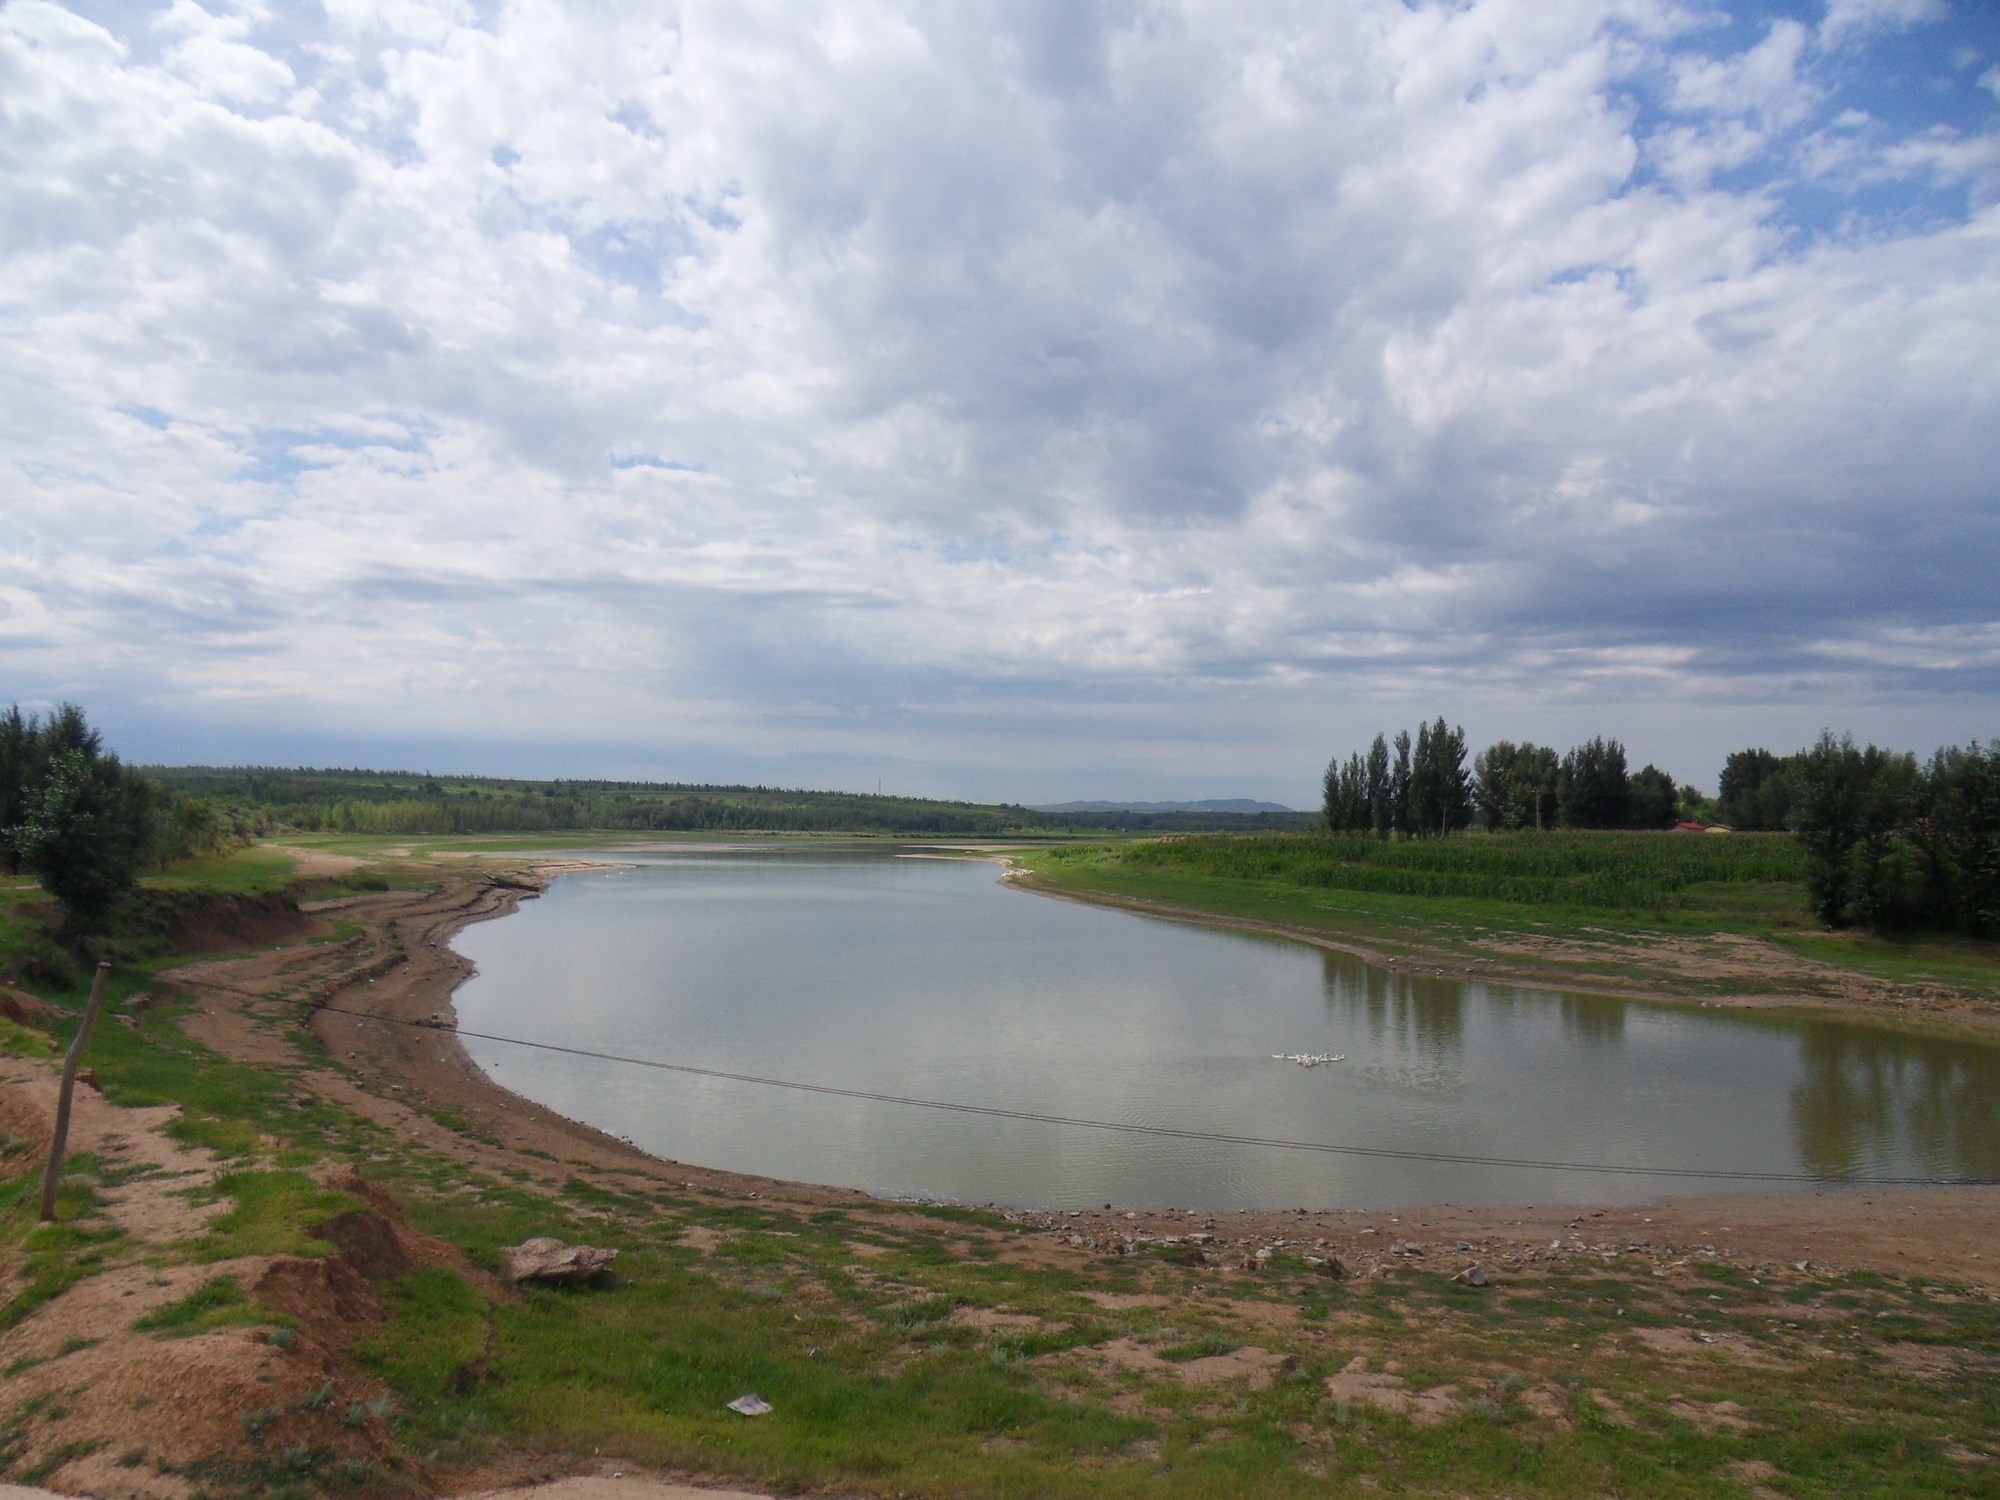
pixel 1429 1012
pixel 1425 1015
pixel 1873 1103
pixel 928 979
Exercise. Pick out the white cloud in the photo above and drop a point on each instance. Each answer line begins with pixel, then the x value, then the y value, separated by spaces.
pixel 1763 83
pixel 1083 368
pixel 1847 20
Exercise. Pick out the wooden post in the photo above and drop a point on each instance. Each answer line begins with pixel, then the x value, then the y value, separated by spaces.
pixel 70 1060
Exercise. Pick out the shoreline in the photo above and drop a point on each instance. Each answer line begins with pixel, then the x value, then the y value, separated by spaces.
pixel 1018 1351
pixel 1959 1020
pixel 1933 1229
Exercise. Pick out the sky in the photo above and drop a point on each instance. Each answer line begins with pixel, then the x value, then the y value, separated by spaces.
pixel 1016 401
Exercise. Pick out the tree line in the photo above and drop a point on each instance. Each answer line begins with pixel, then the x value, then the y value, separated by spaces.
pixel 1890 842
pixel 83 823
pixel 1422 787
pixel 404 803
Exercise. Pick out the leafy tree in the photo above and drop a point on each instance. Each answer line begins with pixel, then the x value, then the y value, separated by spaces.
pixel 85 835
pixel 1381 804
pixel 1653 798
pixel 1755 792
pixel 1955 838
pixel 78 820
pixel 1426 805
pixel 1425 790
pixel 1515 785
pixel 1347 809
pixel 22 765
pixel 1454 779
pixel 1848 805
pixel 1594 790
pixel 1536 783
pixel 1492 775
pixel 1399 785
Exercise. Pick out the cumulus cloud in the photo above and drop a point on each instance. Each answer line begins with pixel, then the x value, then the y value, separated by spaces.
pixel 1847 19
pixel 1009 392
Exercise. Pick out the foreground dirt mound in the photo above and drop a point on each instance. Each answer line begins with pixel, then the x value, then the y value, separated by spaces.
pixel 243 1370
pixel 202 923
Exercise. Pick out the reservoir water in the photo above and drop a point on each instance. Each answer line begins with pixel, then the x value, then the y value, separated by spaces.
pixel 927 978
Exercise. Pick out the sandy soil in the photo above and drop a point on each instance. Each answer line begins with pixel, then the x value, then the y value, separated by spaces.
pixel 394 968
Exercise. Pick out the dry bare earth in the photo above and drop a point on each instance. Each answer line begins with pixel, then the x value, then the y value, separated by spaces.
pixel 95 1405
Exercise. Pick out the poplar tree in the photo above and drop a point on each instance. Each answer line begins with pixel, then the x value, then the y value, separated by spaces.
pixel 1399 785
pixel 1381 802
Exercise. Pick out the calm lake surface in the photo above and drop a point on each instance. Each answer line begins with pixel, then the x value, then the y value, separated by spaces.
pixel 927 978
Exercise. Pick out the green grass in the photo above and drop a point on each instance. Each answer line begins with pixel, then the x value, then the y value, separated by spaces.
pixel 1591 871
pixel 272 1213
pixel 1418 901
pixel 50 1258
pixel 250 871
pixel 1961 963
pixel 216 1302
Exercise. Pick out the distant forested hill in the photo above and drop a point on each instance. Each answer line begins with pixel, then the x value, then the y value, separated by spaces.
pixel 1211 805
pixel 404 802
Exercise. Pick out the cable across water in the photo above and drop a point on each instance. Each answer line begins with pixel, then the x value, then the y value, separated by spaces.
pixel 1170 1132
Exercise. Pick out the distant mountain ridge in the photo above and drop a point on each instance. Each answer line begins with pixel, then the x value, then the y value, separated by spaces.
pixel 1211 805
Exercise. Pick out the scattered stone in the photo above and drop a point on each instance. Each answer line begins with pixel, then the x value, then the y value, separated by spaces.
pixel 750 1404
pixel 549 1262
pixel 1471 1276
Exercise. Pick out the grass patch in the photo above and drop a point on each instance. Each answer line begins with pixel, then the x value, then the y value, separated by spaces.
pixel 1592 871
pixel 270 1216
pixel 1199 1348
pixel 210 1305
pixel 227 1138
